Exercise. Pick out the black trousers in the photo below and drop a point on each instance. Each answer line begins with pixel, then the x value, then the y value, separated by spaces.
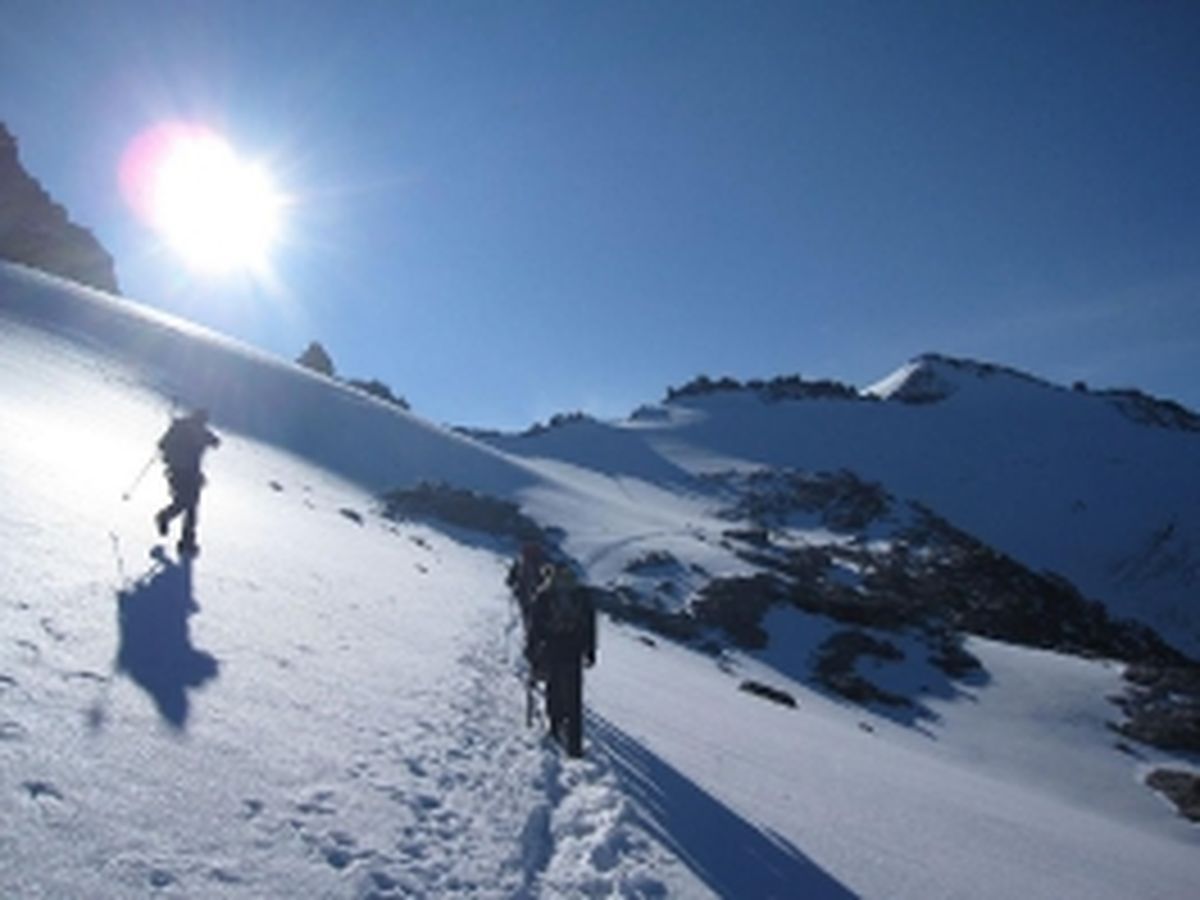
pixel 564 703
pixel 185 500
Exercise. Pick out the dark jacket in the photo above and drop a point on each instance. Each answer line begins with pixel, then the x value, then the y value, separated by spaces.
pixel 184 442
pixel 562 627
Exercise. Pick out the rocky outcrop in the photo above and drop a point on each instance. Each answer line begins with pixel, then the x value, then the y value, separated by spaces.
pixel 1162 706
pixel 1154 411
pixel 35 231
pixel 1180 787
pixel 317 358
pixel 786 387
pixel 462 508
pixel 897 565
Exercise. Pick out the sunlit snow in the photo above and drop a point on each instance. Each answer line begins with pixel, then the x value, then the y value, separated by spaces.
pixel 327 703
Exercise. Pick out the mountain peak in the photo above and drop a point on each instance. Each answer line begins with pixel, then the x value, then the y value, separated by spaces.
pixel 932 377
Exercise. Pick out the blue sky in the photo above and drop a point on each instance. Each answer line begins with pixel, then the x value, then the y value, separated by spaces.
pixel 505 210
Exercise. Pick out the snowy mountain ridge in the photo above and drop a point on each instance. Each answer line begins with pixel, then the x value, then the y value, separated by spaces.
pixel 1099 488
pixel 932 377
pixel 328 701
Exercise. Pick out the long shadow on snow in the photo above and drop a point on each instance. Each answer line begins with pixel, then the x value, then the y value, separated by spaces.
pixel 155 648
pixel 731 856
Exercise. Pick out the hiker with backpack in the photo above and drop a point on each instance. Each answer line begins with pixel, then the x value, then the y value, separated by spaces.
pixel 181 447
pixel 525 579
pixel 562 640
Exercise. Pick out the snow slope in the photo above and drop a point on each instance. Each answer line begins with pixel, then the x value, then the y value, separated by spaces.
pixel 326 703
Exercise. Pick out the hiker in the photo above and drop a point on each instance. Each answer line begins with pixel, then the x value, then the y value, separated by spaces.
pixel 562 638
pixel 524 578
pixel 181 447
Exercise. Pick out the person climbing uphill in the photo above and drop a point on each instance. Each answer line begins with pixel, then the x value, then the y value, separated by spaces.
pixel 182 446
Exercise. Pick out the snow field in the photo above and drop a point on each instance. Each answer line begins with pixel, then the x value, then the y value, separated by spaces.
pixel 328 704
pixel 846 801
pixel 347 718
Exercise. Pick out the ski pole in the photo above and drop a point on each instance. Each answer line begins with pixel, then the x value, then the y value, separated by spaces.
pixel 142 474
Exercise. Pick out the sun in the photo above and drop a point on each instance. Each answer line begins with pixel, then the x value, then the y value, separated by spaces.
pixel 219 212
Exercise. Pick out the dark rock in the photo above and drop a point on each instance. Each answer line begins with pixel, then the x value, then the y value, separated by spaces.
pixel 841 500
pixel 756 537
pixel 316 358
pixel 953 659
pixel 786 387
pixel 1154 411
pixel 377 388
pixel 1162 707
pixel 1181 788
pixel 556 421
pixel 652 561
pixel 624 605
pixel 775 695
pixel 35 231
pixel 464 509
pixel 928 574
pixel 837 658
pixel 737 605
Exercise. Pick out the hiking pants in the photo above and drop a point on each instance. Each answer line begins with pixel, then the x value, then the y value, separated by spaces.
pixel 564 703
pixel 185 499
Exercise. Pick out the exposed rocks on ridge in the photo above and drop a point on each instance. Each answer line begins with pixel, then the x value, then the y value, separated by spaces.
pixel 37 232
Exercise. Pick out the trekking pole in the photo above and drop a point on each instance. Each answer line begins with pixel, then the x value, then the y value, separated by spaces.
pixel 142 474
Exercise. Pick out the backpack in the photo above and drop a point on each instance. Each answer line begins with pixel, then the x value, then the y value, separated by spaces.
pixel 175 445
pixel 185 442
pixel 566 613
pixel 562 624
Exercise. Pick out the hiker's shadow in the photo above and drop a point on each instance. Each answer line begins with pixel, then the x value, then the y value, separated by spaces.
pixel 155 648
pixel 731 855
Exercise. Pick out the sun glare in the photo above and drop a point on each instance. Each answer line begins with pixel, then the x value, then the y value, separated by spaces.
pixel 219 212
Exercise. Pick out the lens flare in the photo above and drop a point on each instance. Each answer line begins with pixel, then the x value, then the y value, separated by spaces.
pixel 219 212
